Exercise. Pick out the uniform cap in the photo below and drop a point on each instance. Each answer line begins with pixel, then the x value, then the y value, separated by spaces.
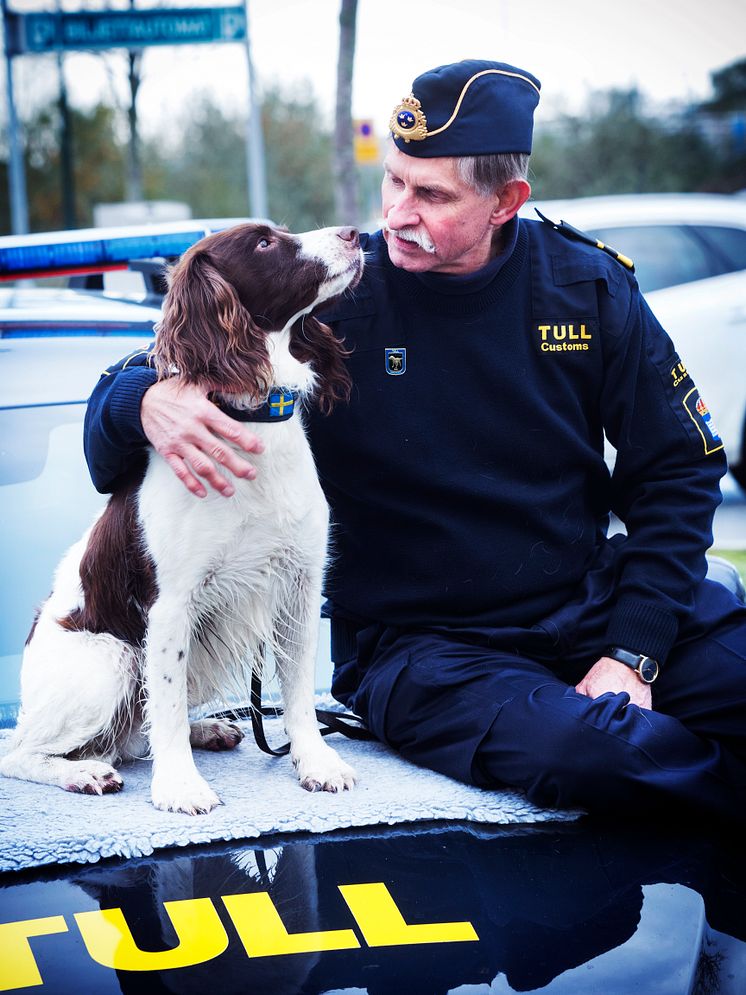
pixel 472 107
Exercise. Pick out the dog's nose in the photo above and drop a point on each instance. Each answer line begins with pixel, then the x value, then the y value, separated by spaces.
pixel 349 235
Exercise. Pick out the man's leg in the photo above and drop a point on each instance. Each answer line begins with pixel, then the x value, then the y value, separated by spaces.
pixel 492 717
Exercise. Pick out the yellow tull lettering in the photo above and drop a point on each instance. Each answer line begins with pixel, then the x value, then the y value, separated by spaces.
pixel 559 332
pixel 18 967
pixel 109 940
pixel 544 329
pixel 382 924
pixel 263 934
pixel 584 334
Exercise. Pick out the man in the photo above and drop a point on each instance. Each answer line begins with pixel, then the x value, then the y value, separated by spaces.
pixel 482 622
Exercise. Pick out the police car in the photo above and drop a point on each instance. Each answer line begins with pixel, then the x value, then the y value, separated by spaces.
pixel 419 909
pixel 689 252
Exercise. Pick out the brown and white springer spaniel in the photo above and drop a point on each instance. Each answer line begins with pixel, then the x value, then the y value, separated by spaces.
pixel 168 601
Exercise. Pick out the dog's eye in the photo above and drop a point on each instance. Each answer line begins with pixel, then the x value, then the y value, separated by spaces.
pixel 263 243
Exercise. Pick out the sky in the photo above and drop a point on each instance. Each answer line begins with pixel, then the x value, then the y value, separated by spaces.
pixel 667 48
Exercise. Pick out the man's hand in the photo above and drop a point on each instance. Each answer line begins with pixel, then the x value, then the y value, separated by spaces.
pixel 190 432
pixel 611 675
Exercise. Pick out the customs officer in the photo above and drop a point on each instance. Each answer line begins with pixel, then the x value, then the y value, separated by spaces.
pixel 484 623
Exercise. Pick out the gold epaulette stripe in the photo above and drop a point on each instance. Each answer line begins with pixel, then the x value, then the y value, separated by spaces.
pixel 141 352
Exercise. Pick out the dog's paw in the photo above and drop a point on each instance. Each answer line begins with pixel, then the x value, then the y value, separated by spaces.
pixel 214 734
pixel 187 793
pixel 92 777
pixel 324 770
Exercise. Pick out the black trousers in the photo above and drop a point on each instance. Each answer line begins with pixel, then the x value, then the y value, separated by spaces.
pixel 497 707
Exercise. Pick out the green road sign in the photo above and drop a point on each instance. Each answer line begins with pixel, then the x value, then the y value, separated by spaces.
pixel 131 29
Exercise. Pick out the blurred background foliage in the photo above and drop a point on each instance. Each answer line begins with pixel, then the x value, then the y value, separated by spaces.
pixel 203 164
pixel 616 144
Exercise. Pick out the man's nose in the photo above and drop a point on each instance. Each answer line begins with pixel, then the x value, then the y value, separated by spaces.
pixel 401 212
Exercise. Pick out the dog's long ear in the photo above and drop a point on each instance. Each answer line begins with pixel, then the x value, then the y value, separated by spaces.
pixel 206 334
pixel 314 342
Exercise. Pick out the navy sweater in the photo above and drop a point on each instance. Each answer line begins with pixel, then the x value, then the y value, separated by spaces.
pixel 466 477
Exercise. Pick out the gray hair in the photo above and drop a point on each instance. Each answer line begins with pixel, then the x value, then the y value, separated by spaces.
pixel 486 174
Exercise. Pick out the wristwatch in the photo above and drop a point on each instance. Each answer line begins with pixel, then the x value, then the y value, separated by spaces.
pixel 645 667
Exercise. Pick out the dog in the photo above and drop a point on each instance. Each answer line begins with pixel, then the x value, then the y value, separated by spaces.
pixel 168 601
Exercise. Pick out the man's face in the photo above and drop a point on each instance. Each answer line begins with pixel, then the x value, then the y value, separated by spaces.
pixel 426 200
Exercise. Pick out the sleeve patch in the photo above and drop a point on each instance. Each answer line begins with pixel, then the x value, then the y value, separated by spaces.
pixel 699 413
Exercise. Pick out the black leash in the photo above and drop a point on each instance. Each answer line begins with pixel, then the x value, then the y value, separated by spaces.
pixel 341 722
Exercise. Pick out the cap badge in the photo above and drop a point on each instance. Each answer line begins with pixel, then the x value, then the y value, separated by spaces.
pixel 408 121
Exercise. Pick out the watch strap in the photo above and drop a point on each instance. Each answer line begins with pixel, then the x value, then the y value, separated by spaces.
pixel 636 661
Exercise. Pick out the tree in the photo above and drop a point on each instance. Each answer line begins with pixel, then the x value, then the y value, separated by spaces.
pixel 207 165
pixel 615 147
pixel 98 159
pixel 299 161
pixel 345 174
pixel 204 166
pixel 729 85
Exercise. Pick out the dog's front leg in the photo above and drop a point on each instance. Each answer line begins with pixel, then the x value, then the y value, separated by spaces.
pixel 319 767
pixel 176 786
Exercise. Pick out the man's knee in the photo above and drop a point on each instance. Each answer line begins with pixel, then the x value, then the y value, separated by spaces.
pixel 560 747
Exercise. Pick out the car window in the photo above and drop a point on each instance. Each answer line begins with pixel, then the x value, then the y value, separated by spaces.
pixel 730 243
pixel 664 255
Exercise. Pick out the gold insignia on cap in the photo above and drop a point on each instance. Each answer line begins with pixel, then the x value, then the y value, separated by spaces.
pixel 408 120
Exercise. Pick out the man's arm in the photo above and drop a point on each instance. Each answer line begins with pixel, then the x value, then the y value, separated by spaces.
pixel 665 488
pixel 130 409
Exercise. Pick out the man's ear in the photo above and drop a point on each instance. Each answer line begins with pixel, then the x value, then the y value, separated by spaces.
pixel 511 199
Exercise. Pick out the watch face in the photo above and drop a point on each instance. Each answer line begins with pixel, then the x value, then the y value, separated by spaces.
pixel 648 670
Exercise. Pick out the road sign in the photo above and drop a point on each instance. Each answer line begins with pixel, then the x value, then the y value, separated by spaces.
pixel 54 32
pixel 365 142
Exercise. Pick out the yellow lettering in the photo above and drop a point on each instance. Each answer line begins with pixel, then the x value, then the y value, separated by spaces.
pixel 679 374
pixel 198 928
pixel 382 923
pixel 572 334
pixel 544 329
pixel 263 934
pixel 17 962
pixel 559 332
pixel 584 334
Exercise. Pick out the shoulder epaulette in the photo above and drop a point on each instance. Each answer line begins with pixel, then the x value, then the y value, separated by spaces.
pixel 580 236
pixel 136 356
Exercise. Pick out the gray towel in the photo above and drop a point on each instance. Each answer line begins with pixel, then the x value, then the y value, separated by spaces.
pixel 41 825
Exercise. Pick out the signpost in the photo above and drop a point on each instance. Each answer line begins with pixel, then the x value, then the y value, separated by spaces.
pixel 38 33
pixel 54 32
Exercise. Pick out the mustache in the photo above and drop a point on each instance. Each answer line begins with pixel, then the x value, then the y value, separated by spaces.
pixel 420 238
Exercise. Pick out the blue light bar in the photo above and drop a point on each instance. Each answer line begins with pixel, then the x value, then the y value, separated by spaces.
pixel 15 262
pixel 92 250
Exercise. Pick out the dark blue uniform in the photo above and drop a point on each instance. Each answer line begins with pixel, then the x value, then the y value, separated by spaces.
pixel 472 583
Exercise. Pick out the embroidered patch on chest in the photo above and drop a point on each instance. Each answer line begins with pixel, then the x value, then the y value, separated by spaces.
pixel 396 361
pixel 699 413
pixel 564 336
